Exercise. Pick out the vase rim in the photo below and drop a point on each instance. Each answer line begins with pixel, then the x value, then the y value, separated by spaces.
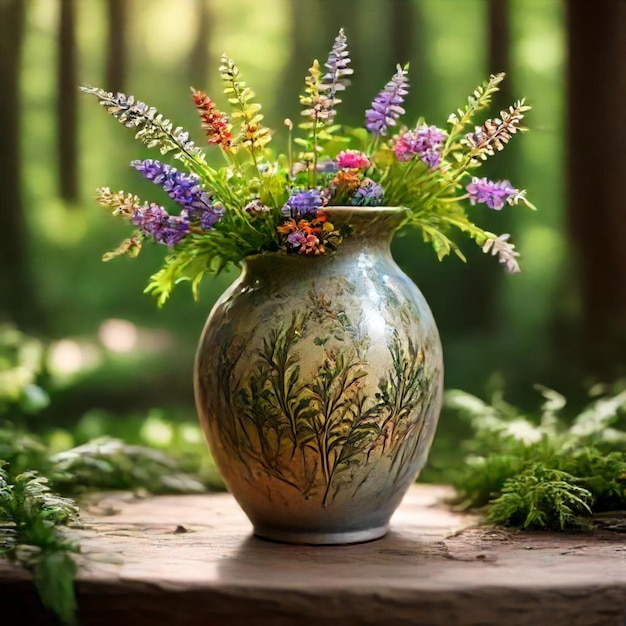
pixel 377 222
pixel 340 208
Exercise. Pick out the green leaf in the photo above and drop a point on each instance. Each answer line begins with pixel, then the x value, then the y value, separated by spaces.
pixel 54 577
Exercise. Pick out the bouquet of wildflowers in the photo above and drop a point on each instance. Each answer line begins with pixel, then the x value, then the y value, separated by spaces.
pixel 261 202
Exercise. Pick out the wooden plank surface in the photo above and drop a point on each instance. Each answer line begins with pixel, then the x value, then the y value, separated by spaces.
pixel 191 561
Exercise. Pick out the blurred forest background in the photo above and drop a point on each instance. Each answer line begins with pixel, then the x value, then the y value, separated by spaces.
pixel 112 362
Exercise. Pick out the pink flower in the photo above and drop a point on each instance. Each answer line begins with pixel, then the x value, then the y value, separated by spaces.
pixel 425 141
pixel 352 159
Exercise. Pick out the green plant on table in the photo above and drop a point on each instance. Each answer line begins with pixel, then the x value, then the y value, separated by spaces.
pixel 32 518
pixel 543 473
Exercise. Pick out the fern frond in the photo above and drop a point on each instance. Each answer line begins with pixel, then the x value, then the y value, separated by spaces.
pixel 316 110
pixel 130 247
pixel 36 514
pixel 313 103
pixel 252 135
pixel 162 283
pixel 122 203
pixel 154 130
pixel 464 224
pixel 495 133
pixel 599 416
pixel 107 463
pixel 542 498
pixel 211 255
pixel 441 243
pixel 480 99
pixel 538 473
pixel 215 124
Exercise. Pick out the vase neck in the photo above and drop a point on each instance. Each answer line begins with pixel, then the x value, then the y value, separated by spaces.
pixel 372 223
pixel 367 236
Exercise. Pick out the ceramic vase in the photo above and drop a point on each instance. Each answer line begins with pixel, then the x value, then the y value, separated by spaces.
pixel 318 385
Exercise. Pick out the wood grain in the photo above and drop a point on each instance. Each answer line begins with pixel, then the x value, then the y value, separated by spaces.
pixel 190 561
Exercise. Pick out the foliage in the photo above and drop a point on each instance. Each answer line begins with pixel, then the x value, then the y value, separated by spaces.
pixel 31 517
pixel 542 498
pixel 107 463
pixel 260 202
pixel 543 473
pixel 34 481
pixel 21 373
pixel 33 513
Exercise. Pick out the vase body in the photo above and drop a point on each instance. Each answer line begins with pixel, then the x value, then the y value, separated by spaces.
pixel 318 385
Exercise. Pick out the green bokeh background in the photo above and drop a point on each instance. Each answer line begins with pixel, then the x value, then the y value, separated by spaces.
pixel 496 329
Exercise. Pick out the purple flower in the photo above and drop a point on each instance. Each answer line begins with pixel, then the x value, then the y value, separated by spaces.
pixel 204 211
pixel 182 188
pixel 493 194
pixel 174 229
pixel 207 214
pixel 297 239
pixel 335 78
pixel 154 220
pixel 425 141
pixel 304 240
pixel 369 193
pixel 150 218
pixel 386 107
pixel 303 204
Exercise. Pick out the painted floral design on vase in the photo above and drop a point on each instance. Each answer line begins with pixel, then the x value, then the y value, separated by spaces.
pixel 318 384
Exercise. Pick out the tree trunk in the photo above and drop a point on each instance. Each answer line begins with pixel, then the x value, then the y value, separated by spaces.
pixel 407 37
pixel 199 57
pixel 402 23
pixel 498 51
pixel 596 165
pixel 17 292
pixel 117 45
pixel 67 100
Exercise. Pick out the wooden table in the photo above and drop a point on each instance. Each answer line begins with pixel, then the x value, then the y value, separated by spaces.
pixel 191 561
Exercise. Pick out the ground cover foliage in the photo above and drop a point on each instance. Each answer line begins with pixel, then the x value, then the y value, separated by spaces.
pixel 37 501
pixel 543 471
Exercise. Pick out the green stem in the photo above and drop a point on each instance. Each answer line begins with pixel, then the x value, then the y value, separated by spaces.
pixel 313 170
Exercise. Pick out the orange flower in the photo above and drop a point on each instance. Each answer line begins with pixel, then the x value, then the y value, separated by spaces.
pixel 214 123
pixel 287 227
pixel 321 216
pixel 344 185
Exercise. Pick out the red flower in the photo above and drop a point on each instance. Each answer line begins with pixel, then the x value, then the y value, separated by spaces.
pixel 214 122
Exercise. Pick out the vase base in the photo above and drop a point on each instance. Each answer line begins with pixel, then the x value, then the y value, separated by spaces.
pixel 321 539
